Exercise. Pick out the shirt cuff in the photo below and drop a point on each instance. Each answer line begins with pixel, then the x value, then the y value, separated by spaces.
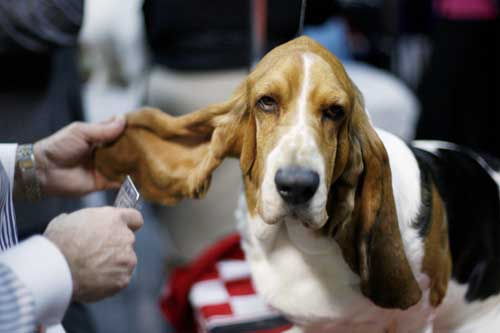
pixel 42 268
pixel 8 159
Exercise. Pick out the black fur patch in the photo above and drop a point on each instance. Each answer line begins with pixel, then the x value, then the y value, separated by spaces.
pixel 472 204
pixel 423 222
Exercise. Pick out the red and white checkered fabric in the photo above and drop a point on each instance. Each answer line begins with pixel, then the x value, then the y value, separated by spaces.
pixel 226 297
pixel 217 289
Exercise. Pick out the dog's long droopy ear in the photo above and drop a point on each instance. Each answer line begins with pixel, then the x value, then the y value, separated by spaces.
pixel 386 276
pixel 171 158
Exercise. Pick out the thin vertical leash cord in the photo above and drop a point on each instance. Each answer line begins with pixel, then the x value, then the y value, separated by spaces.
pixel 300 32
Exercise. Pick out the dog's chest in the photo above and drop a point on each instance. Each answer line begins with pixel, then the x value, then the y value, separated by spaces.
pixel 306 278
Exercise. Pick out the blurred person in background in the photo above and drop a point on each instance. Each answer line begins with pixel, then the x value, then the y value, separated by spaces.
pixel 460 88
pixel 114 61
pixel 40 93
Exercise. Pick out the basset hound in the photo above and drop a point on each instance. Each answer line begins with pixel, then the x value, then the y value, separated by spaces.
pixel 347 228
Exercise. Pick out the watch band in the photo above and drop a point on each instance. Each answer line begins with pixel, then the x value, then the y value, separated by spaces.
pixel 25 160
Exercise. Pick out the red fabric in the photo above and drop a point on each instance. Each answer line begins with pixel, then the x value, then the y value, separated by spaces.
pixel 174 302
pixel 217 309
pixel 240 287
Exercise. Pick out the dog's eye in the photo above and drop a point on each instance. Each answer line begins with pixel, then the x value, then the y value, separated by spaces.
pixel 334 112
pixel 267 104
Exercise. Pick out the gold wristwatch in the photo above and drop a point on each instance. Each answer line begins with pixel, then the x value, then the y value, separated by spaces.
pixel 25 161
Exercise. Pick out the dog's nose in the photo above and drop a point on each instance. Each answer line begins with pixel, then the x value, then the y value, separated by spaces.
pixel 296 185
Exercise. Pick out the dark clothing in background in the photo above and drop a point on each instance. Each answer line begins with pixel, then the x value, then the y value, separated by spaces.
pixel 460 90
pixel 39 25
pixel 214 35
pixel 39 94
pixel 211 35
pixel 32 113
pixel 39 85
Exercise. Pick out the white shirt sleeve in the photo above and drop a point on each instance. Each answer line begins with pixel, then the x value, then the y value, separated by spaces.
pixel 8 159
pixel 38 265
pixel 17 308
pixel 43 270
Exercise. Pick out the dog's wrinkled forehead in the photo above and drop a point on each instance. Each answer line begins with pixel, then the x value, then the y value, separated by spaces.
pixel 289 55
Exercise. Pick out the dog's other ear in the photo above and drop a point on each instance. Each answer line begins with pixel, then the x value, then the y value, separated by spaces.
pixel 372 243
pixel 171 158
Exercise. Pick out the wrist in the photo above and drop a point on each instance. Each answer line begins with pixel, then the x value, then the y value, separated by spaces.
pixel 58 233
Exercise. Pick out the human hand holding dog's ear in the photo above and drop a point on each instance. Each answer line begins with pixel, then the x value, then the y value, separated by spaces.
pixel 64 163
pixel 172 158
pixel 98 246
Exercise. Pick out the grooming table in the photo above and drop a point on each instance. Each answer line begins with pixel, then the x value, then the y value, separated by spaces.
pixel 215 294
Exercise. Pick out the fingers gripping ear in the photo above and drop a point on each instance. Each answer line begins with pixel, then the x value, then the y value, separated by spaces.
pixel 97 133
pixel 171 158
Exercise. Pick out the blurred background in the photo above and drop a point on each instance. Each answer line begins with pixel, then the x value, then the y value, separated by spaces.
pixel 428 69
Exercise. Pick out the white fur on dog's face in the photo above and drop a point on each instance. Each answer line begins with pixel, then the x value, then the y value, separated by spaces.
pixel 297 147
pixel 299 136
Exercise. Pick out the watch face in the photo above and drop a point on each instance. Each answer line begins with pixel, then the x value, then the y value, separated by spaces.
pixel 26 164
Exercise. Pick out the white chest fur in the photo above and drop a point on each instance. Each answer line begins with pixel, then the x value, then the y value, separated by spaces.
pixel 310 283
pixel 303 275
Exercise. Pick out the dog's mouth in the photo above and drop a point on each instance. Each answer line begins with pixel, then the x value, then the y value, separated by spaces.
pixel 309 219
pixel 303 218
pixel 307 236
pixel 297 215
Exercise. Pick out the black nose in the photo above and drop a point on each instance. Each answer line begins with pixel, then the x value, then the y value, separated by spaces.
pixel 296 185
